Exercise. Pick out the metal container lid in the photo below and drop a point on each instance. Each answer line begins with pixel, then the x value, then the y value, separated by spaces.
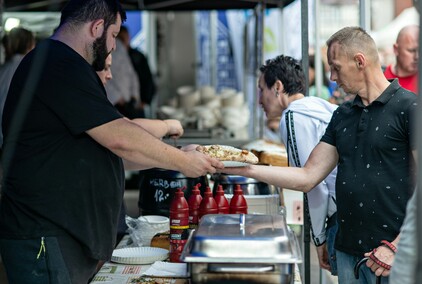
pixel 240 238
pixel 233 179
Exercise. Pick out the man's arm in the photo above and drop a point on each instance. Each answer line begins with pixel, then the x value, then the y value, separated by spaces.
pixel 321 162
pixel 134 144
pixel 160 128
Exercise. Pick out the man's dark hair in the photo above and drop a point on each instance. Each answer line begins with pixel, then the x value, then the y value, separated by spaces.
pixel 77 12
pixel 286 69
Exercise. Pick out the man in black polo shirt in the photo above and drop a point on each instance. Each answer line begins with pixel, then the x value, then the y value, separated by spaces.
pixel 64 149
pixel 369 139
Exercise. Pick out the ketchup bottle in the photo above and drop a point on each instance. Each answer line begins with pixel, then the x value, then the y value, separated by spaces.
pixel 221 200
pixel 208 204
pixel 179 224
pixel 238 203
pixel 194 201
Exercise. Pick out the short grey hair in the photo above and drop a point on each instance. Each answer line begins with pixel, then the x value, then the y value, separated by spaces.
pixel 353 40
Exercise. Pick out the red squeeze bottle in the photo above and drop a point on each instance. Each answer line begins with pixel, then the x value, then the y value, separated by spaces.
pixel 194 201
pixel 179 224
pixel 208 204
pixel 221 200
pixel 238 203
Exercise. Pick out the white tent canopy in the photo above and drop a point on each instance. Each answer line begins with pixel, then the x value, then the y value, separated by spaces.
pixel 386 36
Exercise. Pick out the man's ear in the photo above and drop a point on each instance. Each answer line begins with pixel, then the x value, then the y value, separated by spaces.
pixel 97 28
pixel 360 60
pixel 396 49
pixel 278 85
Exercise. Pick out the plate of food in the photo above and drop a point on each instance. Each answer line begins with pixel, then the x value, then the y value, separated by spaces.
pixel 228 155
pixel 139 255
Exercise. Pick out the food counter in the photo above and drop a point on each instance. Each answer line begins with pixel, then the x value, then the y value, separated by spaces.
pixel 116 273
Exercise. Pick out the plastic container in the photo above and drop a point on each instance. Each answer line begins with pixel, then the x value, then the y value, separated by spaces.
pixel 221 200
pixel 194 202
pixel 208 204
pixel 238 204
pixel 179 224
pixel 144 228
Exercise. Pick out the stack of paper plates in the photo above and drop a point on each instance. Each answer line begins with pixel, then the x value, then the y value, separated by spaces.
pixel 139 255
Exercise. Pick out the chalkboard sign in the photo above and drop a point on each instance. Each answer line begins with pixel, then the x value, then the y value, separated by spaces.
pixel 157 187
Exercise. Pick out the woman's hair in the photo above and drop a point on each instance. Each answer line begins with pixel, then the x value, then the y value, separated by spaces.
pixel 77 12
pixel 286 69
pixel 18 41
pixel 312 65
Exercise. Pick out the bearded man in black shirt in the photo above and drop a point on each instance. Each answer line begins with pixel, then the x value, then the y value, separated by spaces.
pixel 64 149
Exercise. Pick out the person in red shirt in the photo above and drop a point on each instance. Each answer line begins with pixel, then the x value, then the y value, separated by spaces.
pixel 406 50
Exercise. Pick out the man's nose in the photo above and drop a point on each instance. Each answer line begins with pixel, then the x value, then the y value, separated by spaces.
pixel 260 99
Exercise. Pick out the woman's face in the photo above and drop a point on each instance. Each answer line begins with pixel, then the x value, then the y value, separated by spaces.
pixel 311 75
pixel 270 102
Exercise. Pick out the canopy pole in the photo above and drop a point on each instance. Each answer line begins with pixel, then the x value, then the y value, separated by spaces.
pixel 258 117
pixel 418 273
pixel 365 14
pixel 305 65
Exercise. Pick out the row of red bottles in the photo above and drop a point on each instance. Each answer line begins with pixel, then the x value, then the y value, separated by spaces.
pixel 186 215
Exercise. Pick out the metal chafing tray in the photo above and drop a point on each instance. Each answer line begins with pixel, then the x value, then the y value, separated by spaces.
pixel 238 248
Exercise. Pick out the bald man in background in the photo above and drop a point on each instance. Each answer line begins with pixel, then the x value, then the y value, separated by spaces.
pixel 406 50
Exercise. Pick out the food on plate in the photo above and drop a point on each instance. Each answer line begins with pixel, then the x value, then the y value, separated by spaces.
pixel 161 240
pixel 228 153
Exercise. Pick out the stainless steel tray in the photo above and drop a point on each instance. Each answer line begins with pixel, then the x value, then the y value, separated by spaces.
pixel 239 238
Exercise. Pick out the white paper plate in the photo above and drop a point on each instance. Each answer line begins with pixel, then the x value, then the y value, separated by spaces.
pixel 139 255
pixel 232 164
pixel 167 269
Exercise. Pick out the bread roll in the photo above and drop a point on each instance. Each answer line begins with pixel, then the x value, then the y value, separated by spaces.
pixel 161 240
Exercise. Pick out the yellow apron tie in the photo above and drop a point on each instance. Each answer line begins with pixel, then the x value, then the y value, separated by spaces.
pixel 42 248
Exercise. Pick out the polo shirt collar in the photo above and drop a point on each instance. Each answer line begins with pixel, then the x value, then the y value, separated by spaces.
pixel 384 97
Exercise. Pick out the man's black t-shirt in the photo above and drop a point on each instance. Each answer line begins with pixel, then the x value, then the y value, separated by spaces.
pixel 375 174
pixel 57 179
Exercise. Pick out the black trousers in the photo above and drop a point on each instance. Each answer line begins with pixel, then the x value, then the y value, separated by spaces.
pixel 49 260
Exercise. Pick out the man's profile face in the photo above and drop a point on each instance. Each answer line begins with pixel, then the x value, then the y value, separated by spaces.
pixel 104 45
pixel 99 48
pixel 267 99
pixel 407 52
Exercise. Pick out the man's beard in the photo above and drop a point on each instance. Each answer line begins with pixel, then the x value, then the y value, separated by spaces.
pixel 99 49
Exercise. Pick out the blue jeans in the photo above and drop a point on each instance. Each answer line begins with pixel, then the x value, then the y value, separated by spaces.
pixel 331 236
pixel 346 274
pixel 60 261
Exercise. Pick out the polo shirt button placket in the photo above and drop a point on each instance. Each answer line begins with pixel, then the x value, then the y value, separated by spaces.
pixel 363 120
